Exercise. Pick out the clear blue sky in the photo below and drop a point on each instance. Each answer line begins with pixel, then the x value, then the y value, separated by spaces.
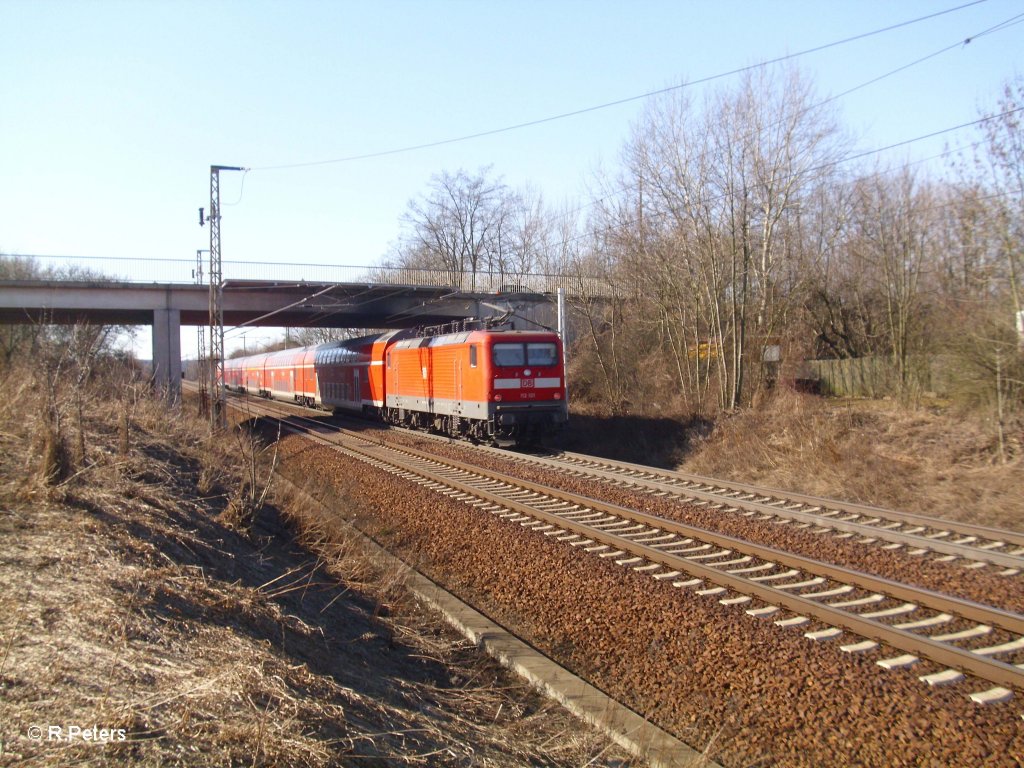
pixel 112 112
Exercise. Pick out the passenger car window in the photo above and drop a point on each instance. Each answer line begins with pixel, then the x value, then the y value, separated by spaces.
pixel 509 355
pixel 541 354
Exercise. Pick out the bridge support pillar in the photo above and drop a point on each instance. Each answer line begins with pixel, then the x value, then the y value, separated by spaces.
pixel 167 352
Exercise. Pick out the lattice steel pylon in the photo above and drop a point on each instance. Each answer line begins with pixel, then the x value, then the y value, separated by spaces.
pixel 218 417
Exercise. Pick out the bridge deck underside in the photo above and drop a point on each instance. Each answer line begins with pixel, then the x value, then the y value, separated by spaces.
pixel 386 317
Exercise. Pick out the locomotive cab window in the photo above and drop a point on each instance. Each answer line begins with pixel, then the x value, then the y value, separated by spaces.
pixel 541 354
pixel 509 355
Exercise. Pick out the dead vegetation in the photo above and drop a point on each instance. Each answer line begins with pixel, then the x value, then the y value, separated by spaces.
pixel 927 459
pixel 128 604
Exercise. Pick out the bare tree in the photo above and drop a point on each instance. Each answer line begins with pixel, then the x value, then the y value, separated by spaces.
pixel 20 337
pixel 520 235
pixel 475 224
pixel 1004 162
pixel 717 193
pixel 893 236
pixel 452 227
pixel 308 337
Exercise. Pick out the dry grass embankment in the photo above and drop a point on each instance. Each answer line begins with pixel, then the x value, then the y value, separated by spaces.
pixel 927 460
pixel 930 460
pixel 130 600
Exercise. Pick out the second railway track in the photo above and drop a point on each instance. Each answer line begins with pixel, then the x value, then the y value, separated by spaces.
pixel 920 534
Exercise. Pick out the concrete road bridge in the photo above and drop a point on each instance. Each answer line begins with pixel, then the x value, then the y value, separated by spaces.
pixel 371 297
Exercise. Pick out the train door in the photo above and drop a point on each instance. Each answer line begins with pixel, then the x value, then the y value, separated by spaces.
pixel 458 382
pixel 357 392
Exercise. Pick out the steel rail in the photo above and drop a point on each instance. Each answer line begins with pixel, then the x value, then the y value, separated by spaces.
pixel 676 483
pixel 920 646
pixel 812 518
pixel 967 529
pixel 1011 622
pixel 950 656
pixel 618 472
pixel 681 486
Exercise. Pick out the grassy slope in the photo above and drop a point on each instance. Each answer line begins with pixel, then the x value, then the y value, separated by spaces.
pixel 875 452
pixel 126 602
pixel 925 460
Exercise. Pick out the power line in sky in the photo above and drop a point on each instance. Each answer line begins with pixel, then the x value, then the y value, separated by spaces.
pixel 626 100
pixel 823 166
pixel 1006 24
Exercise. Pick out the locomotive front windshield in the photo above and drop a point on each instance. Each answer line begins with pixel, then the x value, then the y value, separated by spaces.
pixel 541 354
pixel 518 355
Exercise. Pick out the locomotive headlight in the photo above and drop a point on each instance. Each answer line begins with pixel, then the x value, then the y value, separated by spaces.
pixel 558 395
pixel 497 398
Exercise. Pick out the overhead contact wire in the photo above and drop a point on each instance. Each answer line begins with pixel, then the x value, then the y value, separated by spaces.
pixel 617 102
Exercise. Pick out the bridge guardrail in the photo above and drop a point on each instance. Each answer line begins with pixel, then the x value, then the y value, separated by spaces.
pixel 190 272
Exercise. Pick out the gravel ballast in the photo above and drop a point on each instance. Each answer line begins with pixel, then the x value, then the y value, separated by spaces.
pixel 746 691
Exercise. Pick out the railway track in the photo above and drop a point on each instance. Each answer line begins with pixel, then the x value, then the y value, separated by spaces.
pixel 966 643
pixel 974 546
pixel 918 534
